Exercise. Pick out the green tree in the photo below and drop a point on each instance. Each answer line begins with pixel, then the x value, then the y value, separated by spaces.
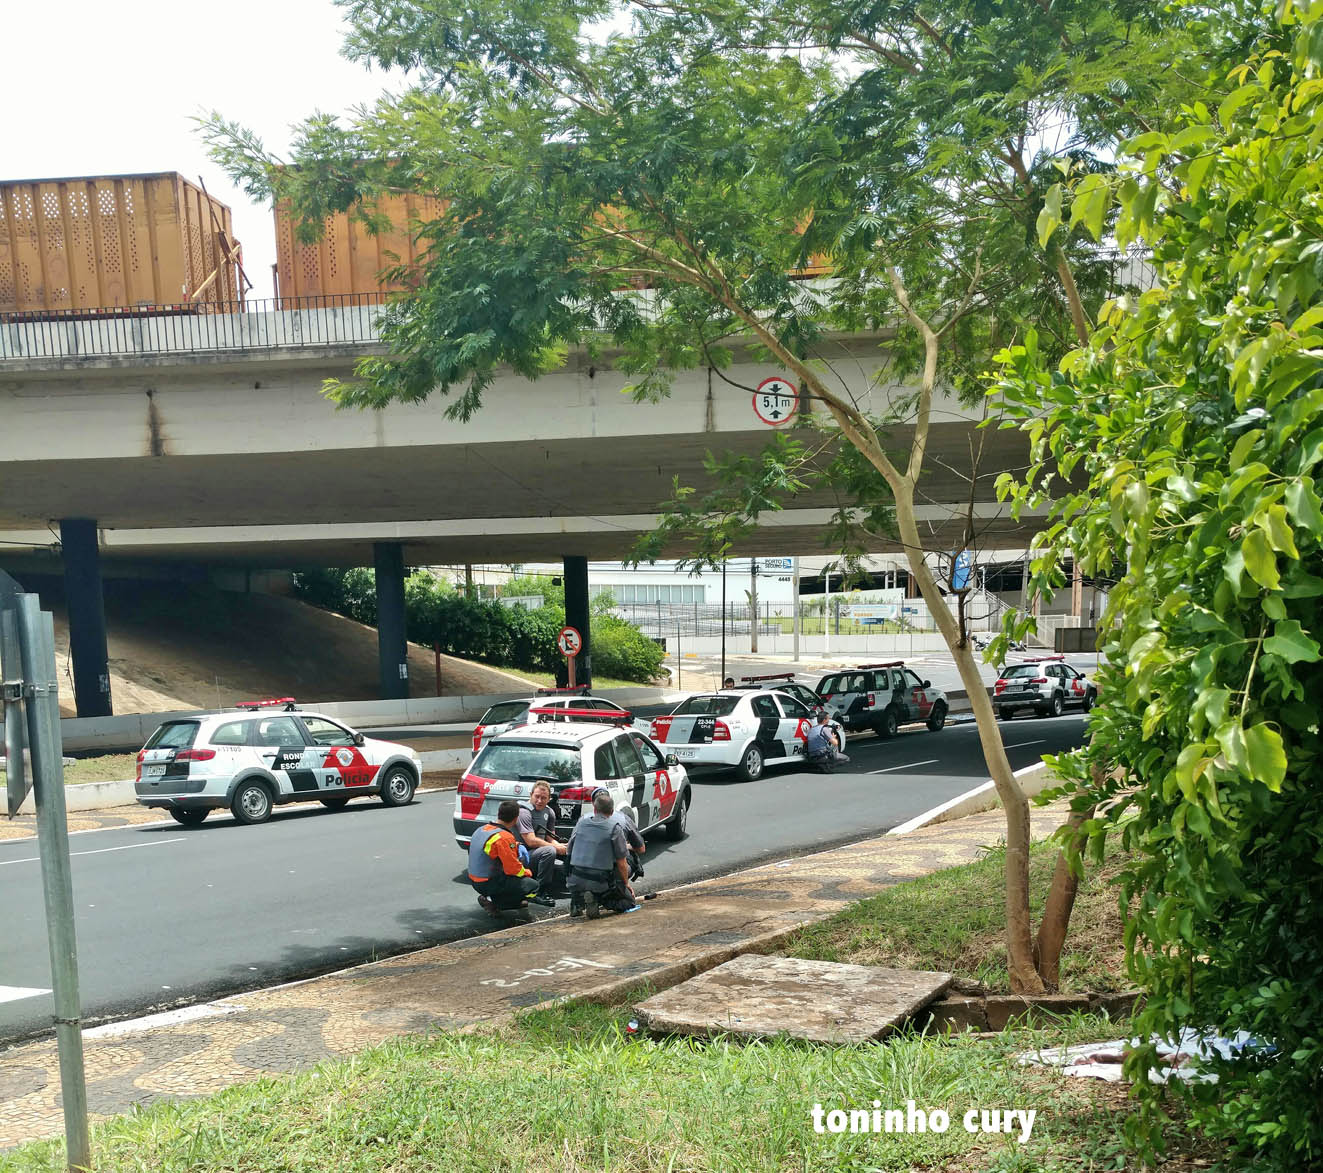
pixel 1193 422
pixel 707 158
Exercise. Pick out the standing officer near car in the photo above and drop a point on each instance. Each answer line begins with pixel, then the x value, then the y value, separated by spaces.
pixel 599 862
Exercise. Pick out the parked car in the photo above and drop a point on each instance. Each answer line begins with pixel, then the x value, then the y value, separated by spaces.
pixel 883 697
pixel 577 751
pixel 506 715
pixel 746 730
pixel 1046 684
pixel 785 684
pixel 263 754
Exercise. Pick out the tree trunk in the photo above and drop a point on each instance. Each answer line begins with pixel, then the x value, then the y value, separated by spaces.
pixel 1019 939
pixel 1056 912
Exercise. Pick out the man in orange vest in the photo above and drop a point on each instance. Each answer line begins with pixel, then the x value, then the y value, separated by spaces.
pixel 502 881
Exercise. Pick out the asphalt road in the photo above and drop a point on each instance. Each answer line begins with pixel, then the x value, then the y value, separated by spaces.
pixel 168 916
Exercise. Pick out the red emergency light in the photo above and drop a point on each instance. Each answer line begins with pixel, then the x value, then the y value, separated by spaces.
pixel 888 664
pixel 288 703
pixel 601 716
pixel 769 676
pixel 577 690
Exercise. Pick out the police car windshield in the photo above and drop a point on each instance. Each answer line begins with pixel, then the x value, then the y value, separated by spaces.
pixel 706 706
pixel 505 711
pixel 514 759
pixel 1022 670
pixel 173 735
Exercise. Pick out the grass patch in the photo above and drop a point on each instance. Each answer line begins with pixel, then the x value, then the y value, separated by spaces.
pixel 955 921
pixel 565 1089
pixel 109 767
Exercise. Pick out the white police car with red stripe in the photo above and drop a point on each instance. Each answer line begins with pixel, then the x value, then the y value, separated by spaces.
pixel 577 752
pixel 263 754
pixel 746 730
pixel 506 715
pixel 1045 684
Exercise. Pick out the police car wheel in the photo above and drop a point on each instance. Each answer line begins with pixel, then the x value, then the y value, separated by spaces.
pixel 1088 702
pixel 937 718
pixel 335 802
pixel 751 764
pixel 1004 714
pixel 1057 705
pixel 189 817
pixel 398 786
pixel 677 825
pixel 251 803
pixel 888 725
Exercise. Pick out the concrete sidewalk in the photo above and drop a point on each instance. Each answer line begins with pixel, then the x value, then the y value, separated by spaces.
pixel 687 930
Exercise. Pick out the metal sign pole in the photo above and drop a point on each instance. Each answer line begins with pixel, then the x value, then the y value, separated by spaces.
pixel 37 637
pixel 794 577
pixel 11 669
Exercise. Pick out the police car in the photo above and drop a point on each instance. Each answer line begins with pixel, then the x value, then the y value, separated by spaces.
pixel 263 754
pixel 577 751
pixel 882 697
pixel 784 683
pixel 748 730
pixel 507 715
pixel 1046 684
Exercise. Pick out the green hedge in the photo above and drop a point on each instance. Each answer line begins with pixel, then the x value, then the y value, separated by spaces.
pixel 482 629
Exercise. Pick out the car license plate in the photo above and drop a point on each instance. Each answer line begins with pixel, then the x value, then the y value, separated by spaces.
pixel 686 754
pixel 153 771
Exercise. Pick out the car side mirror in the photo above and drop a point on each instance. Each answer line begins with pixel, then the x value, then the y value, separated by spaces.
pixel 927 684
pixel 359 739
pixel 672 760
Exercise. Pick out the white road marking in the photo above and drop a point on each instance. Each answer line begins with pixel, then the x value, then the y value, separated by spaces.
pixel 906 766
pixel 1022 744
pixel 165 1018
pixel 14 993
pixel 99 850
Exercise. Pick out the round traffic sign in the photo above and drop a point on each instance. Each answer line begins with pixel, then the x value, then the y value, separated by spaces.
pixel 569 641
pixel 775 401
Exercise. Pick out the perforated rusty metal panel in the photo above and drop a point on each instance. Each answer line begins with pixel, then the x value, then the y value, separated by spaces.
pixel 347 258
pixel 104 242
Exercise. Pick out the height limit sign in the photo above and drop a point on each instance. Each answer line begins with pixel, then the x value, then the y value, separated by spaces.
pixel 775 401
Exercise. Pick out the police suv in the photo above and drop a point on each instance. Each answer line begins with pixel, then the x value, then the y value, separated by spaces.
pixel 748 730
pixel 506 715
pixel 577 752
pixel 266 753
pixel 1046 684
pixel 882 697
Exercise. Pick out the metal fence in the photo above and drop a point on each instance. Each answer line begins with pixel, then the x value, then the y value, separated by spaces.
pixel 264 324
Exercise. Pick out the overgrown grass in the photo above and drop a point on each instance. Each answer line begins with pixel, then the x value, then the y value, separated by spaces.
pixel 110 767
pixel 954 921
pixel 566 1090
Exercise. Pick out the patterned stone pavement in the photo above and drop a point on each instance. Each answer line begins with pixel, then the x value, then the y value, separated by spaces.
pixel 482 979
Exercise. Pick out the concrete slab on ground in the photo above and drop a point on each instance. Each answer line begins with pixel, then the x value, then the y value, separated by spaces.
pixel 821 1001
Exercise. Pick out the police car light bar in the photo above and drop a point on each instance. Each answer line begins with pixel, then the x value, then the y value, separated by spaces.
pixel 602 717
pixel 577 690
pixel 288 703
pixel 769 676
pixel 888 664
pixel 1040 659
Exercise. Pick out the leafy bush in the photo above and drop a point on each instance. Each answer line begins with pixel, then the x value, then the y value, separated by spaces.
pixel 482 629
pixel 1196 418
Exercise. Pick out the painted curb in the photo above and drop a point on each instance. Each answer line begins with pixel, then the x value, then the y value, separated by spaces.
pixel 1033 781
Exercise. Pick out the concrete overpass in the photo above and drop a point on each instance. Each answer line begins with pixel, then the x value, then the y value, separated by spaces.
pixel 205 438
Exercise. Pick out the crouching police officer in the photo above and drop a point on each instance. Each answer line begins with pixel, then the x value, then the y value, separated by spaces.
pixel 598 862
pixel 496 872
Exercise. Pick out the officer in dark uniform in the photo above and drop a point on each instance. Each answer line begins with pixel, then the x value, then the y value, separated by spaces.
pixel 599 862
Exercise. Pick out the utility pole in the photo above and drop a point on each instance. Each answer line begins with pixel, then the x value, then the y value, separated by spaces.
pixel 794 594
pixel 826 614
pixel 753 606
pixel 723 621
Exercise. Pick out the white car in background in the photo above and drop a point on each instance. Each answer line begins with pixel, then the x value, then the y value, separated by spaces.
pixel 252 759
pixel 506 715
pixel 747 729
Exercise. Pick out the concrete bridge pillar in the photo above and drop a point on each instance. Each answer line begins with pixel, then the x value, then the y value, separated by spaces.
pixel 87 616
pixel 392 650
pixel 576 613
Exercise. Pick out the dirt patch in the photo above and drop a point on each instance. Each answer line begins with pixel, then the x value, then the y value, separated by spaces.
pixel 179 646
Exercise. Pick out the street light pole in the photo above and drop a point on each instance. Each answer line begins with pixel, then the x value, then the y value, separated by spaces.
pixel 723 621
pixel 826 614
pixel 794 592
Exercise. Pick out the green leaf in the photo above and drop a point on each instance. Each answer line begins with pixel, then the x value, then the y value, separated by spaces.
pixel 1290 641
pixel 1302 502
pixel 1278 530
pixel 1260 560
pixel 1049 219
pixel 1092 196
pixel 1267 757
pixel 1231 737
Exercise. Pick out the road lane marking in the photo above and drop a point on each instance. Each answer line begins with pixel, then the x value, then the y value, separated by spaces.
pixel 1022 744
pixel 906 766
pixel 100 850
pixel 987 788
pixel 14 993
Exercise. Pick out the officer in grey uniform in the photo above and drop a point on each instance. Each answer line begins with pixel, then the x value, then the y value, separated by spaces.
pixel 598 862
